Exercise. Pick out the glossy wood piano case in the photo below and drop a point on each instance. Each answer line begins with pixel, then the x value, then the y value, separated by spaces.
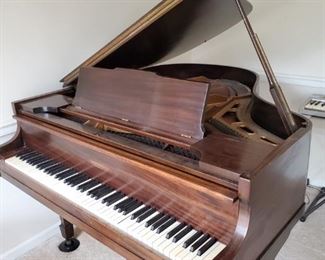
pixel 248 193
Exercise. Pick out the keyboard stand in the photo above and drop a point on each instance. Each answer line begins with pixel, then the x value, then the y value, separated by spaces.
pixel 316 203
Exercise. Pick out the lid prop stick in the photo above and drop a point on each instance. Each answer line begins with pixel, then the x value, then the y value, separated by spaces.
pixel 275 89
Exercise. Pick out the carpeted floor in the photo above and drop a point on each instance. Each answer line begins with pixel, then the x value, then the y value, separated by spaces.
pixel 306 242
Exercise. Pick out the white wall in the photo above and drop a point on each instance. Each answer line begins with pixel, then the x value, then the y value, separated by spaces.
pixel 41 41
pixel 292 32
pixel 21 219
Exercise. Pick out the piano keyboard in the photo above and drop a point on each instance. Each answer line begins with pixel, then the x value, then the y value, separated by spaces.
pixel 315 106
pixel 170 237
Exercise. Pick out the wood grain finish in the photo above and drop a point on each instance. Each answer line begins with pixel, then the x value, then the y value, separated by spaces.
pixel 209 207
pixel 136 148
pixel 145 100
pixel 237 214
pixel 274 192
pixel 50 104
pixel 257 199
pixel 66 229
pixel 231 153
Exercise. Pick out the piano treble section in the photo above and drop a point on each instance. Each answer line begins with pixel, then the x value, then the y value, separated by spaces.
pixel 167 235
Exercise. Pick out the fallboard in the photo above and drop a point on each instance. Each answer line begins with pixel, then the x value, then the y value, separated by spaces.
pixel 206 206
pixel 165 106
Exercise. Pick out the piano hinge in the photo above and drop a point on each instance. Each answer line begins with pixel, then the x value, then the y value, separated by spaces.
pixel 186 136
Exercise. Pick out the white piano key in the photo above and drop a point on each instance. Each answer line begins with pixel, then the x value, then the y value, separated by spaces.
pixel 142 223
pixel 174 248
pixel 141 226
pixel 185 253
pixel 113 214
pixel 160 238
pixel 207 253
pixel 126 224
pixel 122 221
pixel 123 217
pixel 138 231
pixel 215 251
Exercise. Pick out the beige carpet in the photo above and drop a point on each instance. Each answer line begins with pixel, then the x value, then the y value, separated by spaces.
pixel 306 242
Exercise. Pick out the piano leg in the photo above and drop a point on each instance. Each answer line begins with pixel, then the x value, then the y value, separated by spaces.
pixel 70 243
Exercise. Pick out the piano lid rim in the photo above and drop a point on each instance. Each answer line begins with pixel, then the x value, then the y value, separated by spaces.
pixel 149 20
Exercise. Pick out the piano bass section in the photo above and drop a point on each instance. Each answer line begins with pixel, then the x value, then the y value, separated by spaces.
pixel 179 161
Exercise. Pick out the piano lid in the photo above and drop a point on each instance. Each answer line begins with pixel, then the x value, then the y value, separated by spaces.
pixel 168 30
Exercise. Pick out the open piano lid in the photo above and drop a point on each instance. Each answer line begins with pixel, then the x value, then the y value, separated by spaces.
pixel 168 30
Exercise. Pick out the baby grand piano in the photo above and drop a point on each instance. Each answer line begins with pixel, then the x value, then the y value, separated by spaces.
pixel 179 161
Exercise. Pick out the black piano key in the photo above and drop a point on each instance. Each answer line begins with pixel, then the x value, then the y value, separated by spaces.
pixel 122 203
pixel 199 242
pixel 46 164
pixel 88 185
pixel 51 170
pixel 110 197
pixel 175 230
pixel 206 246
pixel 145 215
pixel 58 170
pixel 114 199
pixel 72 178
pixel 165 225
pixel 192 239
pixel 182 233
pixel 132 207
pixel 80 180
pixel 140 212
pixel 160 222
pixel 154 219
pixel 33 159
pixel 45 159
pixel 65 174
pixel 34 156
pixel 50 167
pixel 126 205
pixel 24 151
pixel 28 156
pixel 108 200
pixel 40 160
pixel 103 192
pixel 92 192
pixel 100 191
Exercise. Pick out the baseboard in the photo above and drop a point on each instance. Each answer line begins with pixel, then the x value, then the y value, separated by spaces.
pixel 299 81
pixel 31 243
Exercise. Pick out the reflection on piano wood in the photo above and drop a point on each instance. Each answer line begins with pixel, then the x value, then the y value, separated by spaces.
pixel 158 230
pixel 180 161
